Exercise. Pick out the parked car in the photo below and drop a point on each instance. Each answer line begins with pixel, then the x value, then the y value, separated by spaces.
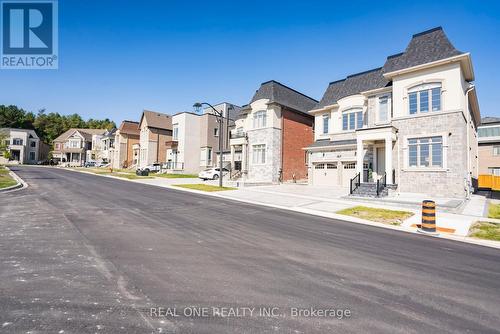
pixel 103 164
pixel 152 168
pixel 89 164
pixel 211 173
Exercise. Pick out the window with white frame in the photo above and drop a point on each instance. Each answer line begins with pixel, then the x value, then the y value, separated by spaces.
pixel 216 132
pixel 494 171
pixel 259 154
pixel 493 131
pixel 352 119
pixel 326 123
pixel 175 132
pixel 32 156
pixel 423 98
pixel 74 143
pixel 259 119
pixel 383 108
pixel 17 141
pixel 496 150
pixel 425 152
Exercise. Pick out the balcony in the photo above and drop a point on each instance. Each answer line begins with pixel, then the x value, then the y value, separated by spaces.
pixel 234 134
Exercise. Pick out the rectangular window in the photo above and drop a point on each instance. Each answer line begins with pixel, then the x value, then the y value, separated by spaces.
pixel 33 144
pixel 326 122
pixel 216 132
pixel 382 109
pixel 344 122
pixel 259 154
pixel 259 119
pixel 352 121
pixel 17 141
pixel 209 156
pixel 489 132
pixel 494 171
pixel 424 101
pixel 32 156
pixel 436 99
pixel 425 152
pixel 359 120
pixel 412 98
pixel 175 132
pixel 496 150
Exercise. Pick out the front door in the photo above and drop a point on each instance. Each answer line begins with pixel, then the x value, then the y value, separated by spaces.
pixel 380 168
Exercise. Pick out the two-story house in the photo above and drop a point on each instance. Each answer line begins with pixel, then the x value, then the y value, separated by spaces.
pixel 197 138
pixel 123 154
pixel 489 146
pixel 411 123
pixel 75 146
pixel 23 145
pixel 270 132
pixel 155 137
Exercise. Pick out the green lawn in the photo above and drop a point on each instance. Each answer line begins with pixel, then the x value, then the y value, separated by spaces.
pixel 485 230
pixel 494 211
pixel 5 179
pixel 391 217
pixel 204 187
pixel 177 176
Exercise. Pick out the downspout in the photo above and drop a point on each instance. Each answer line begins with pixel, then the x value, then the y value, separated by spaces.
pixel 469 171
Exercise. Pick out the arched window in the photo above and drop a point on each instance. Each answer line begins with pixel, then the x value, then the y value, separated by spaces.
pixel 352 119
pixel 259 119
pixel 425 97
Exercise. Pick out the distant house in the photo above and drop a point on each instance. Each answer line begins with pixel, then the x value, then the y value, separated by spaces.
pixel 270 133
pixel 127 138
pixel 155 137
pixel 489 146
pixel 76 146
pixel 195 139
pixel 23 145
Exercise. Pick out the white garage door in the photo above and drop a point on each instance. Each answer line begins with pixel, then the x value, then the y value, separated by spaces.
pixel 348 172
pixel 326 174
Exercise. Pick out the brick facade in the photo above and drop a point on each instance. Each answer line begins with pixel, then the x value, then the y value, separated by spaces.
pixel 297 134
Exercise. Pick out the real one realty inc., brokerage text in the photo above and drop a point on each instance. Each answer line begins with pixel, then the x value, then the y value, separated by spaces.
pixel 240 312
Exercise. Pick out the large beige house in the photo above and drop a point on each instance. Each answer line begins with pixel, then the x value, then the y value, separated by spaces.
pixel 127 136
pixel 410 124
pixel 155 138
pixel 24 146
pixel 76 146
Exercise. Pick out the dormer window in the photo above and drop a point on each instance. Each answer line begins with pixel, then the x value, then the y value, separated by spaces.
pixel 423 98
pixel 352 119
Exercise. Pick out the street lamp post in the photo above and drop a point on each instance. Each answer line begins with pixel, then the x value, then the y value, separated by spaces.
pixel 219 117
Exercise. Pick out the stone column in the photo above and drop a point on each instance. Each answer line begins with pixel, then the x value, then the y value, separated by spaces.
pixel 232 157
pixel 388 159
pixel 244 159
pixel 359 159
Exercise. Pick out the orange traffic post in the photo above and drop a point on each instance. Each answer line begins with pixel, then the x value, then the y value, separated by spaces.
pixel 428 217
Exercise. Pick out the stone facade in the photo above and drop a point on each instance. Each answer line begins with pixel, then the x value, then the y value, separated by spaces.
pixel 449 181
pixel 270 171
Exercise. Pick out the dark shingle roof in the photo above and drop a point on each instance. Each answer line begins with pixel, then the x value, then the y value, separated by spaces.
pixel 326 142
pixel 353 84
pixel 286 96
pixel 490 120
pixel 424 47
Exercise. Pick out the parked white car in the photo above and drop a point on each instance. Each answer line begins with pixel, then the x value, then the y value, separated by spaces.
pixel 211 173
pixel 152 168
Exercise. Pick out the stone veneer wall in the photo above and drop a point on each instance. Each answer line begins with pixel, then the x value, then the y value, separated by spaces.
pixel 448 183
pixel 268 172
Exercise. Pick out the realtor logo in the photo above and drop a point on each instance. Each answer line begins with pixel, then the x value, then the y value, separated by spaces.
pixel 29 34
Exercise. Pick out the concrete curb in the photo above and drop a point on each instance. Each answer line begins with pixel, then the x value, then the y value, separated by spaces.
pixel 473 241
pixel 20 183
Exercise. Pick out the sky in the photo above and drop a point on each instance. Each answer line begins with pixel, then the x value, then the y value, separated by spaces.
pixel 117 58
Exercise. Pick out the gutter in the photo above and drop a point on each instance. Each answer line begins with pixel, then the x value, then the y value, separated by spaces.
pixel 469 171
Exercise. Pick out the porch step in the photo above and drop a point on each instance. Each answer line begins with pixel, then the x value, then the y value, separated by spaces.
pixel 370 190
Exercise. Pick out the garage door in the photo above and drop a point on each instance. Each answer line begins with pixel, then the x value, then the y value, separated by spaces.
pixel 326 174
pixel 348 172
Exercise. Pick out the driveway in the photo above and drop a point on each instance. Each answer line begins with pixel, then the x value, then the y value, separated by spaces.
pixel 85 254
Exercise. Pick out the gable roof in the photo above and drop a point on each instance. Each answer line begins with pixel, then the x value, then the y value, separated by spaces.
pixel 278 93
pixel 130 128
pixel 157 120
pixel 353 84
pixel 86 133
pixel 425 47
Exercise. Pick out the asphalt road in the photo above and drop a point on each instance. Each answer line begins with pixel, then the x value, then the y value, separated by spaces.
pixel 86 254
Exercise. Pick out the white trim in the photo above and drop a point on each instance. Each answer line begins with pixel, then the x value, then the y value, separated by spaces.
pixel 404 148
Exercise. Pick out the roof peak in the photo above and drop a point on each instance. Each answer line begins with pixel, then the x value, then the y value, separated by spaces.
pixel 428 31
pixel 287 87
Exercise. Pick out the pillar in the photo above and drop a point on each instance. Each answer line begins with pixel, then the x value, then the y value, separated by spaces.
pixel 359 159
pixel 244 158
pixel 232 157
pixel 388 159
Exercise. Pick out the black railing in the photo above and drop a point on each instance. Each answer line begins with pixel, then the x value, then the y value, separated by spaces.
pixel 354 184
pixel 173 165
pixel 381 184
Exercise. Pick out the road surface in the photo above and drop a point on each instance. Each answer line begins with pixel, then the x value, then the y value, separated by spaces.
pixel 82 253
